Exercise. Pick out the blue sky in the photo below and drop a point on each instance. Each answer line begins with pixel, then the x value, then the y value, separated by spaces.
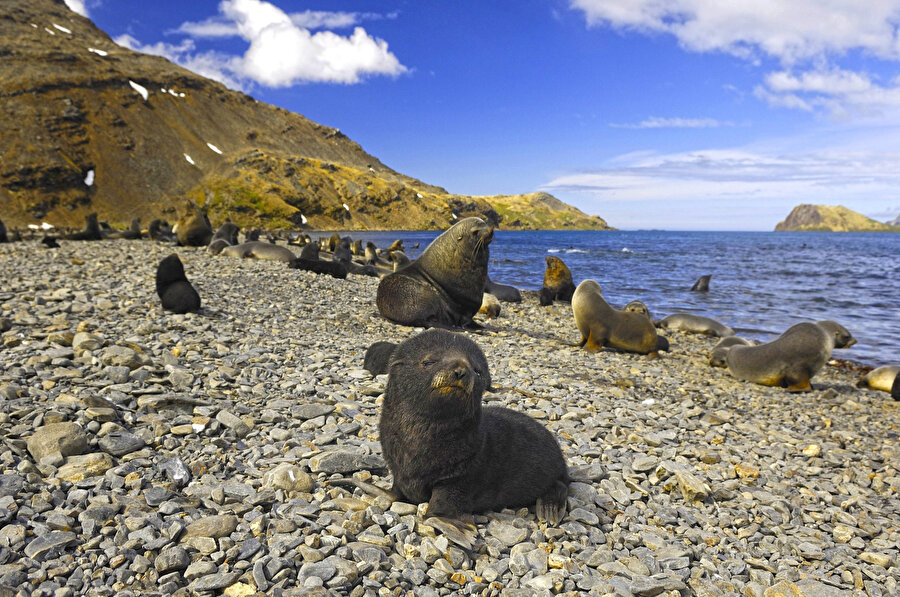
pixel 681 115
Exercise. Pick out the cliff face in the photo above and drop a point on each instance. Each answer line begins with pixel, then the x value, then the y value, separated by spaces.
pixel 834 218
pixel 86 125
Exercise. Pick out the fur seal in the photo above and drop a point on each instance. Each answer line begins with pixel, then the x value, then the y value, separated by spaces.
pixel 50 242
pixel 702 284
pixel 4 238
pixel 91 230
pixel 217 245
pixel 310 251
pixel 637 307
pixel 504 292
pixel 371 254
pixel 789 361
pixel 557 281
pixel 335 269
pixel 882 378
pixel 841 337
pixel 260 250
pixel 717 355
pixel 444 286
pixel 172 286
pixel 695 324
pixel 160 230
pixel 228 232
pixel 399 259
pixel 378 356
pixel 193 228
pixel 601 325
pixel 443 447
pixel 490 306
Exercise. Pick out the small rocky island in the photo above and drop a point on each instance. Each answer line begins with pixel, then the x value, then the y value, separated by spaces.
pixel 831 218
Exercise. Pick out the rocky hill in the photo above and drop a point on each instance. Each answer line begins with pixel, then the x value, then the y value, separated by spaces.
pixel 87 125
pixel 830 218
pixel 895 221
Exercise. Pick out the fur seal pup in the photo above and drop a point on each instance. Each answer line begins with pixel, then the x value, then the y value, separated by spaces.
pixel 702 284
pixel 50 242
pixel 557 281
pixel 443 447
pixel 342 253
pixel 335 269
pixel 378 356
pixel 228 232
pixel 371 254
pixel 444 286
pixel 789 361
pixel 695 324
pixel 310 251
pixel 637 307
pixel 399 259
pixel 490 306
pixel 216 246
pixel 160 230
pixel 193 228
pixel 601 325
pixel 841 337
pixel 172 286
pixel 256 249
pixel 882 378
pixel 717 354
pixel 504 292
pixel 91 229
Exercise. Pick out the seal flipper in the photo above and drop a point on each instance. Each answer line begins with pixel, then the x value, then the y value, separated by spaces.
pixel 369 488
pixel 797 385
pixel 552 505
pixel 461 532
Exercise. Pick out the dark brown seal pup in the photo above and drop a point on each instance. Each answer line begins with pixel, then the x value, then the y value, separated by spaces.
pixel 557 281
pixel 193 228
pixel 503 292
pixel 602 326
pixel 702 284
pixel 50 242
pixel 310 251
pixel 335 269
pixel 172 286
pixel 160 230
pixel 378 357
pixel 228 232
pixel 444 286
pixel 91 230
pixel 444 448
pixel 789 361
pixel 695 324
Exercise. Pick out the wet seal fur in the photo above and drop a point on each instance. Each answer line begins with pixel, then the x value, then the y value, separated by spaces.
pixel 702 284
pixel 444 286
pixel 789 361
pixel 720 350
pixel 444 448
pixel 172 286
pixel 695 324
pixel 881 378
pixel 378 357
pixel 602 326
pixel 558 284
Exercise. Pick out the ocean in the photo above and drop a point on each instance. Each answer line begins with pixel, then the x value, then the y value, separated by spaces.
pixel 762 282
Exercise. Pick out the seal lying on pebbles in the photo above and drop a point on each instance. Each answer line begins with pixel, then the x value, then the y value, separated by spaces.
pixel 720 350
pixel 702 284
pixel 601 325
pixel 695 324
pixel 91 230
pixel 882 378
pixel 378 356
pixel 558 284
pixel 841 337
pixel 172 286
pixel 260 250
pixel 504 292
pixel 444 286
pixel 335 269
pixel 160 230
pixel 788 361
pixel 193 228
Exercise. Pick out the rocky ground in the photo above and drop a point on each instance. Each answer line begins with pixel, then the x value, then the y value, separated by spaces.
pixel 148 453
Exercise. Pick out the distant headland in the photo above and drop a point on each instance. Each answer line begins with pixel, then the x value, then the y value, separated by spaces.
pixel 832 218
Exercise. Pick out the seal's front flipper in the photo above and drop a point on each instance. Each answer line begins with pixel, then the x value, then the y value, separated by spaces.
pixel 552 505
pixel 461 532
pixel 368 488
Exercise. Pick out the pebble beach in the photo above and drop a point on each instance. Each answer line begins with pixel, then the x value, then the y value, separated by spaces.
pixel 146 453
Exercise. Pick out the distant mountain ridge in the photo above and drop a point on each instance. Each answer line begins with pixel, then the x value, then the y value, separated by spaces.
pixel 833 218
pixel 87 125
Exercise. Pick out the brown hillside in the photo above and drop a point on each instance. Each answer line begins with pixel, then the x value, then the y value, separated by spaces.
pixel 69 107
pixel 830 218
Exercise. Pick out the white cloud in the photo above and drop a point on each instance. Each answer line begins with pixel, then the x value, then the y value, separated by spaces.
pixel 207 64
pixel 77 6
pixel 655 122
pixel 810 38
pixel 283 50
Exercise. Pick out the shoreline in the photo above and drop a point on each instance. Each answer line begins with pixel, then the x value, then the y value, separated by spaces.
pixel 688 481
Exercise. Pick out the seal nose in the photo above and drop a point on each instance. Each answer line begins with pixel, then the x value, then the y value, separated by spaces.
pixel 460 370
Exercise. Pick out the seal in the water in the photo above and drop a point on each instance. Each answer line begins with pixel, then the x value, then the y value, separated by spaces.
pixel 91 229
pixel 193 228
pixel 882 378
pixel 557 281
pixel 378 357
pixel 702 283
pixel 602 326
pixel 841 337
pixel 720 350
pixel 260 250
pixel 444 448
pixel 444 286
pixel 695 324
pixel 504 292
pixel 789 361
pixel 172 286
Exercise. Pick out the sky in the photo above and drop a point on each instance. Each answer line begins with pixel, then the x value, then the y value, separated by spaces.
pixel 676 115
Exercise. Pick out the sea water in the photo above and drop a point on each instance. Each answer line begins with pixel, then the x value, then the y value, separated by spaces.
pixel 762 282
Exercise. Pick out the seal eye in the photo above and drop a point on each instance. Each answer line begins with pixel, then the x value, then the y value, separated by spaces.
pixel 428 363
